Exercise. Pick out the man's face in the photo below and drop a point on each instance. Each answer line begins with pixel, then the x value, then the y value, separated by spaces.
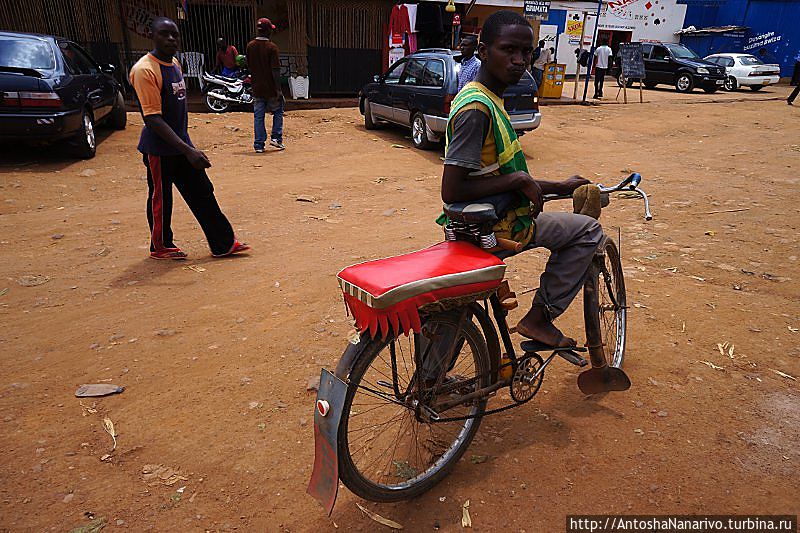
pixel 166 37
pixel 509 55
pixel 467 47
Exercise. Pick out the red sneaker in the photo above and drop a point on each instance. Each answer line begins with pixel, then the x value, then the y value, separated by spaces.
pixel 169 253
pixel 237 247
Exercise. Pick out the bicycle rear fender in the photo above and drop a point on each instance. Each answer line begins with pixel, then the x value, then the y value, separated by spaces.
pixel 324 483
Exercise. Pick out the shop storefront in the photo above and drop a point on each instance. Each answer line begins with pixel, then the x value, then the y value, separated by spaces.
pixel 766 29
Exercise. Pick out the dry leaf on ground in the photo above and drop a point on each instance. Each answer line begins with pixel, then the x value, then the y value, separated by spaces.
pixel 108 425
pixel 195 268
pixel 378 518
pixel 466 521
pixel 155 474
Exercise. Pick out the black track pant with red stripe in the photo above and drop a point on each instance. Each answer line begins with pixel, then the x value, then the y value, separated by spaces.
pixel 197 191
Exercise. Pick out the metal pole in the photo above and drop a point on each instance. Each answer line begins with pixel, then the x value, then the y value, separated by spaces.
pixel 578 71
pixel 594 39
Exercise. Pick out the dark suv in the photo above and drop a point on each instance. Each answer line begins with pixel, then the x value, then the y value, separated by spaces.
pixel 417 91
pixel 51 89
pixel 677 65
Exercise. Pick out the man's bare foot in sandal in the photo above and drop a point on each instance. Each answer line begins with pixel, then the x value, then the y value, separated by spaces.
pixel 536 326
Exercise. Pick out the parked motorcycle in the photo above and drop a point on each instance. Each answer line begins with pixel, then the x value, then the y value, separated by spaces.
pixel 223 92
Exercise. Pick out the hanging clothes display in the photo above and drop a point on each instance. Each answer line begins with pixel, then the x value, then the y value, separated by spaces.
pixel 399 22
pixel 412 16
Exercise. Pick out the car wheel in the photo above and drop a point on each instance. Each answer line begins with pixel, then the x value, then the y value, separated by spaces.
pixel 684 83
pixel 419 132
pixel 118 118
pixel 369 122
pixel 756 87
pixel 214 104
pixel 85 141
pixel 731 84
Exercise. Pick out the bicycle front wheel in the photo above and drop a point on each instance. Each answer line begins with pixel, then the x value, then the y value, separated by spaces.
pixel 386 451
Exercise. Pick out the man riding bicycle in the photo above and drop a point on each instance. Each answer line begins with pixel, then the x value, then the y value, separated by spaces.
pixel 483 158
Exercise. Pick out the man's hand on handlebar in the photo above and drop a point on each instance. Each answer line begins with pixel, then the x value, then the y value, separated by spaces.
pixel 533 191
pixel 571 183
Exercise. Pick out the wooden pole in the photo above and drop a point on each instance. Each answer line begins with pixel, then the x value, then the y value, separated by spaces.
pixel 578 71
pixel 640 92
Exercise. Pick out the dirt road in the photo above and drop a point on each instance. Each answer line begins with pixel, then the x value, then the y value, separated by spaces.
pixel 216 361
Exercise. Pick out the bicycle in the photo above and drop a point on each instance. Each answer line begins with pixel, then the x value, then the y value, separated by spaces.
pixel 400 411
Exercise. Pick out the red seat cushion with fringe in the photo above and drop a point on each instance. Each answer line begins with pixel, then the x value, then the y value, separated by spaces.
pixel 386 294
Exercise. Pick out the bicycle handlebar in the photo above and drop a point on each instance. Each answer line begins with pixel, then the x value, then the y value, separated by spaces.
pixel 631 183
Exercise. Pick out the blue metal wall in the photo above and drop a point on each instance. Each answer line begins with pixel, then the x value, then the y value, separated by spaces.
pixel 774 32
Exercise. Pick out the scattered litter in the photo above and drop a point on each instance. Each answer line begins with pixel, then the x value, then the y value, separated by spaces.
pixel 784 374
pixel 711 365
pixel 638 431
pixel 466 521
pixel 737 287
pixel 88 410
pixel 640 306
pixel 89 172
pixel 478 459
pixel 95 526
pixel 793 330
pixel 683 327
pixel 379 519
pixel 262 426
pixel 335 205
pixel 57 236
pixel 106 457
pixel 155 474
pixel 711 233
pixel 103 252
pixel 389 212
pixel 726 349
pixel 97 389
pixel 698 278
pixel 398 146
pixel 316 217
pixel 33 280
pixel 380 179
pixel 3 292
pixel 728 211
pixel 108 425
pixel 672 269
pixel 255 405
pixel 443 499
pixel 194 268
pixel 306 198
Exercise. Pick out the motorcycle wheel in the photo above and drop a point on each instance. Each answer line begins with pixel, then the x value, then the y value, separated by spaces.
pixel 215 104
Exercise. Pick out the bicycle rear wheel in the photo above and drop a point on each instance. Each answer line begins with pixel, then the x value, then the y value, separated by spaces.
pixel 610 305
pixel 386 453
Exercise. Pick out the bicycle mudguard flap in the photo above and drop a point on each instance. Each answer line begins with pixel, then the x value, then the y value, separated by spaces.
pixel 324 483
pixel 385 295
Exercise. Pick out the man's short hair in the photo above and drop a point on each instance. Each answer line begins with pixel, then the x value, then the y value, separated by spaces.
pixel 498 20
pixel 160 20
pixel 469 37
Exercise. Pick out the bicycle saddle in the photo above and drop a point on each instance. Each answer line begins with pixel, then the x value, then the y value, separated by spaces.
pixel 487 209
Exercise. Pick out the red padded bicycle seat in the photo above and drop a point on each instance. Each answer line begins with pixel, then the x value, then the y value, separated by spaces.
pixel 389 292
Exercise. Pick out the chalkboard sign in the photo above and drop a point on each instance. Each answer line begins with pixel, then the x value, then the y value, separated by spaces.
pixel 632 61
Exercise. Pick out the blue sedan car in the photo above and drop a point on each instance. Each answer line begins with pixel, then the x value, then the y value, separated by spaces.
pixel 416 92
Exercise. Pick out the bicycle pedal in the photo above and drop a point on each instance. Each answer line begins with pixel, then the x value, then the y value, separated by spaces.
pixel 536 346
pixel 509 304
pixel 572 357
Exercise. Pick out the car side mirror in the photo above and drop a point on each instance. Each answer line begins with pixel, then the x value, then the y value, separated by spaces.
pixel 108 69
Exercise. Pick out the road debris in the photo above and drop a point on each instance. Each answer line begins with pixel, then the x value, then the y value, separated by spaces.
pixel 160 474
pixel 33 280
pixel 97 389
pixel 466 521
pixel 195 268
pixel 784 374
pixel 378 518
pixel 108 425
pixel 712 365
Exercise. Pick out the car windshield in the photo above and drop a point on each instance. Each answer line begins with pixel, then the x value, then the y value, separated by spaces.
pixel 681 52
pixel 26 53
pixel 750 60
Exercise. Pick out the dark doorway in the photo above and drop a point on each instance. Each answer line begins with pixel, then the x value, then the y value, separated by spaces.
pixel 341 71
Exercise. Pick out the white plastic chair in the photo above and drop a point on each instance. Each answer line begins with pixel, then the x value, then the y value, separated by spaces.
pixel 193 63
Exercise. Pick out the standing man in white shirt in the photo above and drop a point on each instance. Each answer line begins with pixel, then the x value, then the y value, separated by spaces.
pixel 540 60
pixel 602 58
pixel 469 61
